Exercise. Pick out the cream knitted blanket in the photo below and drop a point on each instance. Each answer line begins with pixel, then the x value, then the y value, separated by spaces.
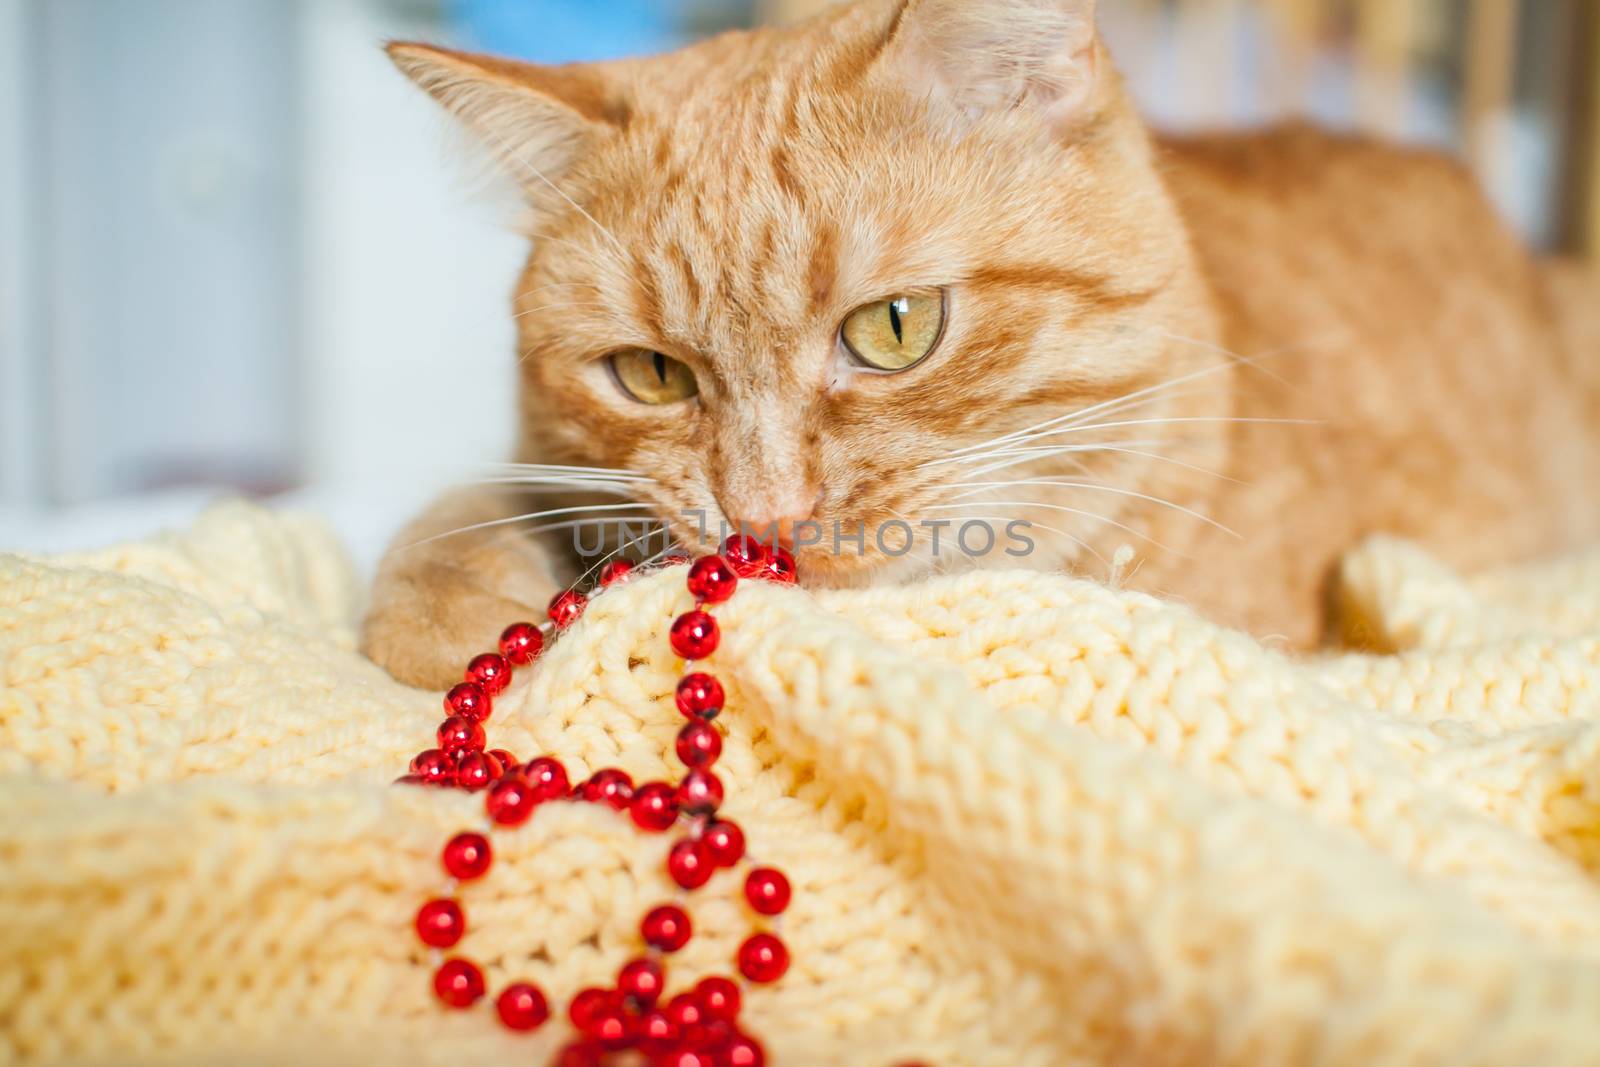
pixel 1029 820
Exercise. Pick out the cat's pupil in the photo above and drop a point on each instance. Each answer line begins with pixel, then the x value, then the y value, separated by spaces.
pixel 661 367
pixel 894 320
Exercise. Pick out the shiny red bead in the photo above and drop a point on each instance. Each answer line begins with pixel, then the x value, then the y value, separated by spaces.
pixel 458 983
pixel 690 864
pixel 476 770
pixel 581 1054
pixel 712 579
pixel 584 1006
pixel 763 958
pixel 612 1026
pixel 642 980
pixel 687 1013
pixel 719 997
pixel 467 856
pixel 724 842
pixel 458 731
pixel 548 778
pixel 434 767
pixel 699 695
pixel 694 635
pixel 616 571
pixel 490 670
pixel 742 1051
pixel 654 807
pixel 469 700
pixel 521 643
pixel 510 800
pixel 609 786
pixel 440 923
pixel 657 1033
pixel 566 607
pixel 522 1006
pixel 507 761
pixel 745 555
pixel 700 792
pixel 699 744
pixel 767 890
pixel 666 927
pixel 780 567
pixel 684 1056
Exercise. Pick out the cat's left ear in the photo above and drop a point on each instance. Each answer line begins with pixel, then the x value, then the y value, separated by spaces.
pixel 535 120
pixel 988 55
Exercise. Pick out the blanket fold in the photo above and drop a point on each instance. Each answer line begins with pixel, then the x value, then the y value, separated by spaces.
pixel 1028 819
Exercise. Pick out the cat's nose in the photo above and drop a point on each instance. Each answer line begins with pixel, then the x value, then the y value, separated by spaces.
pixel 775 517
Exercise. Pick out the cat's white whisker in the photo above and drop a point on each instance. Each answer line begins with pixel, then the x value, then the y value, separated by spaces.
pixel 1092 515
pixel 530 517
pixel 1095 487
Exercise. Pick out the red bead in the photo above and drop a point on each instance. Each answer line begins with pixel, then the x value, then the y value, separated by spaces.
pixel 684 1056
pixel 690 864
pixel 469 700
pixel 657 1033
pixel 467 856
pixel 700 792
pixel 654 806
pixel 763 958
pixel 510 800
pixel 521 643
pixel 643 980
pixel 434 767
pixel 742 1051
pixel 712 580
pixel 724 842
pixel 780 567
pixel 475 770
pixel 583 1007
pixel 719 997
pixel 699 744
pixel 609 786
pixel 440 923
pixel 699 695
pixel 581 1054
pixel 458 731
pixel 694 635
pixel 566 607
pixel 666 927
pixel 767 890
pixel 491 671
pixel 616 571
pixel 745 555
pixel 507 761
pixel 458 983
pixel 522 1006
pixel 613 1026
pixel 548 778
pixel 687 1013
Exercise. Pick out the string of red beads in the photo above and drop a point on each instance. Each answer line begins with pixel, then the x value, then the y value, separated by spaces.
pixel 697 1027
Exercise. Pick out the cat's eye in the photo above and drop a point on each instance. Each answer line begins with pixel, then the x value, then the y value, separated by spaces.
pixel 896 333
pixel 651 378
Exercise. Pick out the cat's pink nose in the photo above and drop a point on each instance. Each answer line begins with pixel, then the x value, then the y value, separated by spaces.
pixel 775 518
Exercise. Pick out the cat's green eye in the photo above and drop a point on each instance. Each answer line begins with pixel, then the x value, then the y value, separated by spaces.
pixel 651 378
pixel 896 333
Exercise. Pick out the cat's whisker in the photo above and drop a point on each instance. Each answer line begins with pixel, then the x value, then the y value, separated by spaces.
pixel 1092 515
pixel 659 529
pixel 1096 487
pixel 522 159
pixel 530 517
pixel 566 305
pixel 564 468
pixel 990 520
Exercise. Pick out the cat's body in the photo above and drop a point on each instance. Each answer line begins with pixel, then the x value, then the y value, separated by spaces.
pixel 1303 339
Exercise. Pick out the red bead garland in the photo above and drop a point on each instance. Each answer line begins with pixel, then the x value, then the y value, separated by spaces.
pixel 698 1028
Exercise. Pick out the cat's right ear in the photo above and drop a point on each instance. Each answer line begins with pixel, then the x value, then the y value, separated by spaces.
pixel 535 120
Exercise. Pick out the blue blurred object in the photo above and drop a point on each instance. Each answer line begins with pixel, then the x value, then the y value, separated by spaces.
pixel 560 31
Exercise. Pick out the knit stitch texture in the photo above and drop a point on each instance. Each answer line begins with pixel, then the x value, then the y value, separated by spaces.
pixel 1029 820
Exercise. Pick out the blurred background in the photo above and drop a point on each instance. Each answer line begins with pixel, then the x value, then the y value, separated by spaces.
pixel 236 254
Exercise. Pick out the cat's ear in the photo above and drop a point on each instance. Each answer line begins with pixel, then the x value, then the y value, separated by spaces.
pixel 987 55
pixel 535 120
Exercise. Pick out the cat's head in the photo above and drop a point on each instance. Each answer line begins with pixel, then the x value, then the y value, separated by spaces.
pixel 814 273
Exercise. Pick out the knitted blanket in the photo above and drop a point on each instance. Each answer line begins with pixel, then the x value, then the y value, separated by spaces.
pixel 1028 819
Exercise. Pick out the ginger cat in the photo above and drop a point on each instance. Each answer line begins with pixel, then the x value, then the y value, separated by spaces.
pixel 920 260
